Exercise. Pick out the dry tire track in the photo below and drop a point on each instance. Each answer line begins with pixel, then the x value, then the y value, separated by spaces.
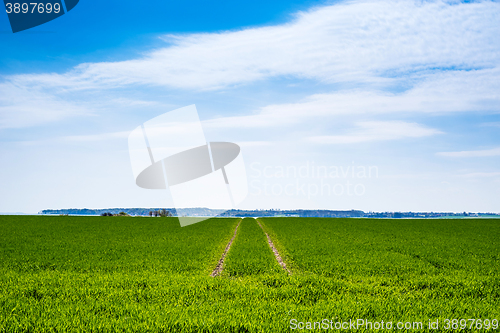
pixel 219 267
pixel 273 248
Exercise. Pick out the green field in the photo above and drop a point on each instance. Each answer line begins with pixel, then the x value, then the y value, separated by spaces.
pixel 124 274
pixel 250 253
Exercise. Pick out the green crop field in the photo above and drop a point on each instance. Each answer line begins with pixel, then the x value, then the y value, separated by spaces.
pixel 250 253
pixel 125 274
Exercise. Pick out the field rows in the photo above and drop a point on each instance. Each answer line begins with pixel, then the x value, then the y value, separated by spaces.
pixel 111 244
pixel 250 253
pixel 115 274
pixel 388 248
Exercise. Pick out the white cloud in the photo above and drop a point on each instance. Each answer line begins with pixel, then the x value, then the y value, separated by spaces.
pixel 360 41
pixel 23 107
pixel 253 143
pixel 472 153
pixel 480 175
pixel 407 56
pixel 457 91
pixel 96 137
pixel 71 139
pixel 377 131
pixel 491 124
pixel 447 52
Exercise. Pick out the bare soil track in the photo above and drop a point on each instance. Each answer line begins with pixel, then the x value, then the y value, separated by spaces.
pixel 275 251
pixel 219 267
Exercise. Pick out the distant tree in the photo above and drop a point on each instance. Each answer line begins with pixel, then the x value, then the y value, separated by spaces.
pixel 164 213
pixel 150 213
pixel 122 214
pixel 156 213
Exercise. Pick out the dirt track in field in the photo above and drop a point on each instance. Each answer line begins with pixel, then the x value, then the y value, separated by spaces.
pixel 218 269
pixel 275 251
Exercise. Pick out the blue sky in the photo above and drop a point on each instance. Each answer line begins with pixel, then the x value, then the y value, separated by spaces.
pixel 408 87
pixel 118 30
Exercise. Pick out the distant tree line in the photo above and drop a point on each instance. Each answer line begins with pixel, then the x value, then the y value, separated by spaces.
pixel 110 214
pixel 156 212
pixel 161 213
pixel 112 211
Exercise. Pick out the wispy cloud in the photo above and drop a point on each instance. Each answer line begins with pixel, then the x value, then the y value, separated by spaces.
pixel 366 41
pixel 480 175
pixel 445 54
pixel 96 137
pixel 24 107
pixel 491 124
pixel 377 131
pixel 253 143
pixel 472 153
pixel 455 91
pixel 72 139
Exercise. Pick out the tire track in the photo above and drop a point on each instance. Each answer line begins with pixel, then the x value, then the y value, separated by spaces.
pixel 218 269
pixel 273 248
